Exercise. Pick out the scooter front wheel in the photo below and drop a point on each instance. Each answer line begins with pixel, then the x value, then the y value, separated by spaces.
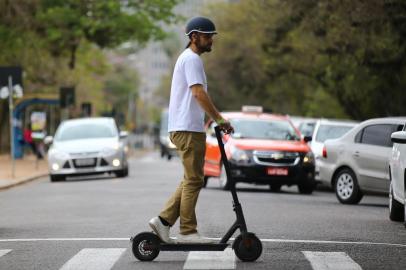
pixel 145 246
pixel 247 247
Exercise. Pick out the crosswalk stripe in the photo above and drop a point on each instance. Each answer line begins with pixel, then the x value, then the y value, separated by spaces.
pixel 4 252
pixel 331 261
pixel 211 260
pixel 94 258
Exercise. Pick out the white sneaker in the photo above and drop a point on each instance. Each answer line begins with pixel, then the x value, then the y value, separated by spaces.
pixel 194 238
pixel 160 229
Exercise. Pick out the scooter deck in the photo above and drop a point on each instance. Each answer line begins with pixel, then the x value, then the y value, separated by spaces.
pixel 193 247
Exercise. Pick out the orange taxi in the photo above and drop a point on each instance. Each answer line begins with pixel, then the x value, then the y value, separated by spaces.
pixel 264 149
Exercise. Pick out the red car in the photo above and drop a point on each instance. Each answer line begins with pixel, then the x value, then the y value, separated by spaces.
pixel 264 149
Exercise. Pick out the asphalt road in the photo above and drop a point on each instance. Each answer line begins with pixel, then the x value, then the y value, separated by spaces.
pixel 86 223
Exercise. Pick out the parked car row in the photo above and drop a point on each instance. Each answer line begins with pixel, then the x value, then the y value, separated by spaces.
pixel 352 158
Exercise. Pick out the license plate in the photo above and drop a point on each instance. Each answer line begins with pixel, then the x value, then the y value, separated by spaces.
pixel 277 171
pixel 85 162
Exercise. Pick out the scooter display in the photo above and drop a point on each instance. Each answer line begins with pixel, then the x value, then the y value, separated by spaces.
pixel 247 247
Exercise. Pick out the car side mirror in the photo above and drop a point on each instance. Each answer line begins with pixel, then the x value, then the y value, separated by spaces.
pixel 399 137
pixel 123 134
pixel 307 138
pixel 48 140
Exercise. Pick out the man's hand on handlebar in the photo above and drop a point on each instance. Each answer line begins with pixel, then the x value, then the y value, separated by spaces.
pixel 225 126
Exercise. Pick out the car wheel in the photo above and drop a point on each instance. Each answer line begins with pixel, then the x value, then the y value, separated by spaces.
pixel 346 187
pixel 306 186
pixel 275 187
pixel 396 209
pixel 224 182
pixel 122 173
pixel 206 179
pixel 169 157
pixel 56 178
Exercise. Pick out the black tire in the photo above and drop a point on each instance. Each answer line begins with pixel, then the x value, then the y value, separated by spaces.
pixel 122 173
pixel 56 178
pixel 247 247
pixel 306 186
pixel 145 246
pixel 206 179
pixel 169 156
pixel 346 187
pixel 275 187
pixel 396 209
pixel 223 180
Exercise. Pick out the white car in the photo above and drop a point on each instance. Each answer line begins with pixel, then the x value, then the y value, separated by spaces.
pixel 87 146
pixel 357 163
pixel 397 172
pixel 326 129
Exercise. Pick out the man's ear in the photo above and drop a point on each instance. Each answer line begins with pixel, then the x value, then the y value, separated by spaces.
pixel 194 36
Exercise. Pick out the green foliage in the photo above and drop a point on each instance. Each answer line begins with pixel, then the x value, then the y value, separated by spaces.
pixel 44 35
pixel 119 86
pixel 327 58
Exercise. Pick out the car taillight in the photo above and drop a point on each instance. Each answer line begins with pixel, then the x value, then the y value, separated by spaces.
pixel 324 152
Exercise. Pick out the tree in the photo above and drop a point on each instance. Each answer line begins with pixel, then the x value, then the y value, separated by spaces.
pixel 64 24
pixel 59 42
pixel 315 57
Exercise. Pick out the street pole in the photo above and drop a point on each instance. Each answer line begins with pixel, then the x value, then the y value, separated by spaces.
pixel 10 106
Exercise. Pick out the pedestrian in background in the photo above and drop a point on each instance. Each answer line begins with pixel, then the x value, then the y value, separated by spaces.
pixel 189 101
pixel 27 135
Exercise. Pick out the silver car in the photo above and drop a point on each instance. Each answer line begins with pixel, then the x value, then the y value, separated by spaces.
pixel 326 129
pixel 397 173
pixel 358 162
pixel 87 146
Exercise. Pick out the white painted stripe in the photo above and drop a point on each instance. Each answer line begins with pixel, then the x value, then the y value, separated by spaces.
pixel 94 259
pixel 210 260
pixel 231 239
pixel 63 239
pixel 331 261
pixel 4 251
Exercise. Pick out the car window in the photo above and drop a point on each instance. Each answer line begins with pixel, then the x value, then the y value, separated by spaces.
pixel 325 132
pixel 85 131
pixel 306 129
pixel 378 134
pixel 358 137
pixel 164 124
pixel 264 129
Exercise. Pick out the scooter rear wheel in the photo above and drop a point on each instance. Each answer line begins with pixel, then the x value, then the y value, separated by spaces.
pixel 145 246
pixel 247 247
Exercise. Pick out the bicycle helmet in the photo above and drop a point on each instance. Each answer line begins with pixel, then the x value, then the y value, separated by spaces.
pixel 201 25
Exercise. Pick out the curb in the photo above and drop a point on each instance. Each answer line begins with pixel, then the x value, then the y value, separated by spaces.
pixel 21 181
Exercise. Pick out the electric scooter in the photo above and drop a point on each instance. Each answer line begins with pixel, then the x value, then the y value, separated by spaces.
pixel 247 247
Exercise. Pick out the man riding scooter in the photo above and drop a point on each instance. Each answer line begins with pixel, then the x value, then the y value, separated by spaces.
pixel 189 101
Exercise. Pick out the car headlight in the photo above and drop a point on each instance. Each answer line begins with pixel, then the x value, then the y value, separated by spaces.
pixel 111 150
pixel 309 158
pixel 58 154
pixel 238 155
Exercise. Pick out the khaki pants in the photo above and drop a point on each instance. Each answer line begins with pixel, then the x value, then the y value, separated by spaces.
pixel 191 147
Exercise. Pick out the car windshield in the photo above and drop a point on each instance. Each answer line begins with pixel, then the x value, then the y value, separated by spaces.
pixel 326 132
pixel 85 131
pixel 263 129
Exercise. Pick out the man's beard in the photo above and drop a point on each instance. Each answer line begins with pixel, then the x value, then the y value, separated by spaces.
pixel 202 48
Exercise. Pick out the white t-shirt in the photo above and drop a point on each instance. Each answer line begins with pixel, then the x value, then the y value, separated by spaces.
pixel 185 114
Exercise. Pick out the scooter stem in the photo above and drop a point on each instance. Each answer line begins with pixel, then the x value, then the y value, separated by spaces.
pixel 240 220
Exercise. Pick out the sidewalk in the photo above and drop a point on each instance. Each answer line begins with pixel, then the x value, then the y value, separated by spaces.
pixel 26 169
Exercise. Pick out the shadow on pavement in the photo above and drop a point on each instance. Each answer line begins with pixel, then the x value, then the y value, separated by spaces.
pixel 89 178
